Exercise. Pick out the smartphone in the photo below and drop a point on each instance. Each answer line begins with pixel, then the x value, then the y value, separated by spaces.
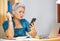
pixel 33 20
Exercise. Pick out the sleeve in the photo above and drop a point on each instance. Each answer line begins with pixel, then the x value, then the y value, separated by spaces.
pixel 27 26
pixel 5 26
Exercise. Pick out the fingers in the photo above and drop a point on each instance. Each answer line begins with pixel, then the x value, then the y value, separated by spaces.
pixel 10 37
pixel 31 25
pixel 9 16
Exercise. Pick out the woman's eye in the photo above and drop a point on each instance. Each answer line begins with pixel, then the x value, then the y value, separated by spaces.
pixel 19 11
pixel 23 12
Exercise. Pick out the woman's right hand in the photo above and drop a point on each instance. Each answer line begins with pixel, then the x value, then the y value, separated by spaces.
pixel 10 31
pixel 9 16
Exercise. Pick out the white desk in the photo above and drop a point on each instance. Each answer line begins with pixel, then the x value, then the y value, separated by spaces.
pixel 33 39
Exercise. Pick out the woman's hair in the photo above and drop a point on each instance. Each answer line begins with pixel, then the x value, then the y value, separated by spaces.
pixel 15 6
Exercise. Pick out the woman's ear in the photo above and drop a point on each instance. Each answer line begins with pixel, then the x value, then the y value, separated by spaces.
pixel 13 12
pixel 12 15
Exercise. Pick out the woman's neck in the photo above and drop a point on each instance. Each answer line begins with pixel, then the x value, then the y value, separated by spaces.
pixel 16 20
pixel 17 23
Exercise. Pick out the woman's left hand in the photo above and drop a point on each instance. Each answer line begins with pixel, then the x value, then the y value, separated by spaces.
pixel 33 31
pixel 32 25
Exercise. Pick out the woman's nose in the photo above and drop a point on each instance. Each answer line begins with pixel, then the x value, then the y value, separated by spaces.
pixel 21 13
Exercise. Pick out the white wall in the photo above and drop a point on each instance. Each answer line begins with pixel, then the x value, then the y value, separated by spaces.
pixel 44 11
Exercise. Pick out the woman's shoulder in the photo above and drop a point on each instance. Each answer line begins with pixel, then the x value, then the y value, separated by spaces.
pixel 5 22
pixel 5 25
pixel 24 20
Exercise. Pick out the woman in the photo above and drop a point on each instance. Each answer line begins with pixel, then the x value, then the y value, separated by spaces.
pixel 17 26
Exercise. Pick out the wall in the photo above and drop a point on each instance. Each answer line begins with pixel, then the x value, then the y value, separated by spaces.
pixel 45 12
pixel 3 10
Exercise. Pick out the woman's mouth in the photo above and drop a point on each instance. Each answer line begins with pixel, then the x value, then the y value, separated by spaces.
pixel 21 16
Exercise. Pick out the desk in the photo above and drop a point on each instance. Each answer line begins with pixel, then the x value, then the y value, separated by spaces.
pixel 33 39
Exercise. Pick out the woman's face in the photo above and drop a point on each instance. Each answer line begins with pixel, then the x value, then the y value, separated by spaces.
pixel 19 13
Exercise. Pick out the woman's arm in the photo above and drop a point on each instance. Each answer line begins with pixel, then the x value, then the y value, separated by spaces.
pixel 10 31
pixel 33 31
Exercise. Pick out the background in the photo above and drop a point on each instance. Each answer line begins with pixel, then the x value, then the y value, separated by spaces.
pixel 45 13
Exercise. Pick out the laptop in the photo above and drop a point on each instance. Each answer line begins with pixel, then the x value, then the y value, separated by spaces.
pixel 54 31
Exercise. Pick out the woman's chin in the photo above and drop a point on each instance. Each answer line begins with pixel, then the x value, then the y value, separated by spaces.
pixel 19 18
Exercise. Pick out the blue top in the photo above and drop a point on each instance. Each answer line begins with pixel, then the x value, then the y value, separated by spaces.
pixel 9 6
pixel 18 31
